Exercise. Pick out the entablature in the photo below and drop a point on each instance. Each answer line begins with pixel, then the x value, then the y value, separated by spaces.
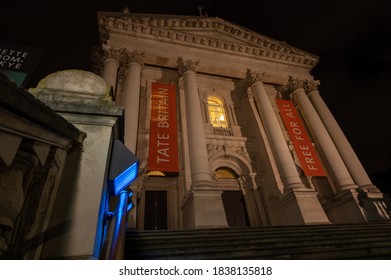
pixel 208 34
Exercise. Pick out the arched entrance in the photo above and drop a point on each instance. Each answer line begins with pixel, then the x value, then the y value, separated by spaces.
pixel 232 196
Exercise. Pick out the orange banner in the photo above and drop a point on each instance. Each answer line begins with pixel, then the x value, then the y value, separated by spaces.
pixel 306 153
pixel 163 143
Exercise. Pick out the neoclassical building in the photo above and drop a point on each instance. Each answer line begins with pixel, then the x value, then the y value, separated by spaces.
pixel 229 127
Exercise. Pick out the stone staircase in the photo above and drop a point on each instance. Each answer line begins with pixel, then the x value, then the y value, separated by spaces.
pixel 343 241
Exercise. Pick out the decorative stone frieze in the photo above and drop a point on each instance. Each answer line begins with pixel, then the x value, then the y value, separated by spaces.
pixel 234 147
pixel 178 31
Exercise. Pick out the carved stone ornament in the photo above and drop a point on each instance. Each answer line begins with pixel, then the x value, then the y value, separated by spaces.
pixel 253 76
pixel 135 56
pixel 185 65
pixel 168 30
pixel 283 92
pixel 311 85
pixel 115 53
pixel 294 84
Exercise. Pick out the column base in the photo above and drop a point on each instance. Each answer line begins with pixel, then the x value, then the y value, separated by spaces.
pixel 358 206
pixel 298 207
pixel 377 206
pixel 204 209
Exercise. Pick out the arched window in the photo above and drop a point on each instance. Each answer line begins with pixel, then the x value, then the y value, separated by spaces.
pixel 217 115
pixel 155 174
pixel 226 173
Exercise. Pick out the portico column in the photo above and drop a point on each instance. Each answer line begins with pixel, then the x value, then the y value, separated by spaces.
pixel 111 59
pixel 203 206
pixel 345 150
pixel 298 204
pixel 129 97
pixel 367 196
pixel 340 173
pixel 286 166
pixel 199 163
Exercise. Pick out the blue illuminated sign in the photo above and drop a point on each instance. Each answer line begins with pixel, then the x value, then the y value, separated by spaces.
pixel 123 168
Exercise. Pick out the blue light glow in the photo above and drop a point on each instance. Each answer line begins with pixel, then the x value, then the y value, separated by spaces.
pixel 125 178
pixel 130 206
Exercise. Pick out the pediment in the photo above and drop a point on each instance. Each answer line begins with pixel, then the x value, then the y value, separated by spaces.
pixel 205 32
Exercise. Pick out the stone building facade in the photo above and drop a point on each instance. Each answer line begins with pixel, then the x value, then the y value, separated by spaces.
pixel 237 163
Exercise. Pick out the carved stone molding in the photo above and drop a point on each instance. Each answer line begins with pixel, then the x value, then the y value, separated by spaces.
pixel 297 83
pixel 101 54
pixel 253 76
pixel 134 56
pixel 113 52
pixel 178 31
pixel 186 64
pixel 127 58
pixel 294 84
pixel 311 85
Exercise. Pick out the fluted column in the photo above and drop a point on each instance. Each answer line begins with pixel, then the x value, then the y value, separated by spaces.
pixel 111 62
pixel 346 151
pixel 286 166
pixel 129 97
pixel 199 163
pixel 340 173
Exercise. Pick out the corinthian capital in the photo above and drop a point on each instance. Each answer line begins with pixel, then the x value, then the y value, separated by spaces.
pixel 135 56
pixel 185 65
pixel 294 84
pixel 311 85
pixel 253 76
pixel 113 52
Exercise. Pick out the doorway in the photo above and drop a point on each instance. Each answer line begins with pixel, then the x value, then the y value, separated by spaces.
pixel 155 210
pixel 235 209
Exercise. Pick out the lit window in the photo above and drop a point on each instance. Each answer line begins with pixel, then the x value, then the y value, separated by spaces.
pixel 226 173
pixel 155 174
pixel 217 113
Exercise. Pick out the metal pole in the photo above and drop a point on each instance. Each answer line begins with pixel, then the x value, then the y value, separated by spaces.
pixel 119 220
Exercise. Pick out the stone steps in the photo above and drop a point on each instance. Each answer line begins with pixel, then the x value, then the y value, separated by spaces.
pixel 351 241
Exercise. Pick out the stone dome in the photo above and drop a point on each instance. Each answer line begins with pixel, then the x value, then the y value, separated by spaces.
pixel 77 81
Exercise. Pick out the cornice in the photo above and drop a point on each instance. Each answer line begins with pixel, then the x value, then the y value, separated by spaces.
pixel 176 30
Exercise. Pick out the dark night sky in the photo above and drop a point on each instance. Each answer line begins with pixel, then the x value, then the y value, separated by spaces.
pixel 351 37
